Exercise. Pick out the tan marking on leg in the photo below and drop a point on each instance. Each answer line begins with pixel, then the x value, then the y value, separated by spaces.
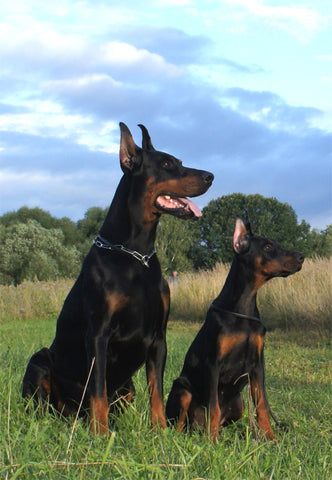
pixel 185 401
pixel 99 414
pixel 46 385
pixel 215 414
pixel 128 398
pixel 156 402
pixel 262 410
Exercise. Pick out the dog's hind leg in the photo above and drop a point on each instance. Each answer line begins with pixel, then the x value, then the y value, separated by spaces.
pixel 178 404
pixel 37 380
pixel 185 401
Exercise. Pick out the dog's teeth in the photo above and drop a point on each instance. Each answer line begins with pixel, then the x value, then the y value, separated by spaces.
pixel 167 197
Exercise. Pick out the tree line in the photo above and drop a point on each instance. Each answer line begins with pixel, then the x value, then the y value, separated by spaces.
pixel 34 245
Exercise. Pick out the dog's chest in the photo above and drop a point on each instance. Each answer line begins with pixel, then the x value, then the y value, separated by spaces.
pixel 239 354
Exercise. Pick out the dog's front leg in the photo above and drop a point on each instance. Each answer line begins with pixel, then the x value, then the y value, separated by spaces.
pixel 258 394
pixel 214 412
pixel 155 365
pixel 97 386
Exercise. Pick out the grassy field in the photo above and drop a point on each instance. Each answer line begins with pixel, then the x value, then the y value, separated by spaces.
pixel 298 364
pixel 300 302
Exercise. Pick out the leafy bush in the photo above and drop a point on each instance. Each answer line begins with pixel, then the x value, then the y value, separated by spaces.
pixel 31 252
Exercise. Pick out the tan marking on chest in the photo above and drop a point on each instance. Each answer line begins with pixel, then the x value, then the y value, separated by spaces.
pixel 116 301
pixel 227 343
pixel 258 340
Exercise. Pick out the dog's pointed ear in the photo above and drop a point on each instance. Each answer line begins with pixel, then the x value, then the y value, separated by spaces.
pixel 129 152
pixel 248 224
pixel 240 236
pixel 146 139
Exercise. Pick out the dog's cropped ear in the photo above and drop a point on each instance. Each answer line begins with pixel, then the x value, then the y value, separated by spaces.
pixel 146 139
pixel 248 224
pixel 129 152
pixel 240 236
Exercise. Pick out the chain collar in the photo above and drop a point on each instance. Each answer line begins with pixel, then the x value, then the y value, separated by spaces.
pixel 100 242
pixel 240 315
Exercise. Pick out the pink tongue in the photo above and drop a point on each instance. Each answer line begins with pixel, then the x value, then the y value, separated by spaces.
pixel 193 207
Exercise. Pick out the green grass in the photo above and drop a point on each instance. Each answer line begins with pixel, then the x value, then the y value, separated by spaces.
pixel 37 445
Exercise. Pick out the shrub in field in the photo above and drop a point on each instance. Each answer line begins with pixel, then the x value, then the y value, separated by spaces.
pixel 32 252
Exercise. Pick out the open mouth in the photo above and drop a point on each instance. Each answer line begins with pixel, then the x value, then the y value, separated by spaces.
pixel 178 206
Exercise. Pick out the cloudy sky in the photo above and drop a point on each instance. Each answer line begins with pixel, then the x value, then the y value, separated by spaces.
pixel 242 88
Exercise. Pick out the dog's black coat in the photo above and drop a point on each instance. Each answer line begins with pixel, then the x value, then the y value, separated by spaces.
pixel 227 352
pixel 114 318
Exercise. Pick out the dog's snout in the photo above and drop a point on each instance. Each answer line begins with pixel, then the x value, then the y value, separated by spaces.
pixel 300 257
pixel 208 177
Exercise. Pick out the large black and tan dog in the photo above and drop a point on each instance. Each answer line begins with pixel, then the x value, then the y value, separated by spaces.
pixel 227 352
pixel 114 318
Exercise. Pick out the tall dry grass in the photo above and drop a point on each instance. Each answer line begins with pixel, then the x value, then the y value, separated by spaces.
pixel 301 301
pixel 33 300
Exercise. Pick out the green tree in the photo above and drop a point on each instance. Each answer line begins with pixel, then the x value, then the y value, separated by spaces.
pixel 174 241
pixel 326 247
pixel 268 216
pixel 23 214
pixel 29 251
pixel 89 227
pixel 93 219
pixel 320 243
pixel 45 219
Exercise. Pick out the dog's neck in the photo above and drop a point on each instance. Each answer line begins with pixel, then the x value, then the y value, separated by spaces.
pixel 119 226
pixel 238 293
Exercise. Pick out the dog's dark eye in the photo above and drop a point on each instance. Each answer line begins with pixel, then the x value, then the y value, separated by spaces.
pixel 167 164
pixel 268 248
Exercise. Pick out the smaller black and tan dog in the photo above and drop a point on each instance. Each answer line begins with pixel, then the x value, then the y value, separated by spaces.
pixel 227 352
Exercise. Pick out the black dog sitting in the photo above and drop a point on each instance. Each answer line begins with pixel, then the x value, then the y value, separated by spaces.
pixel 227 352
pixel 114 318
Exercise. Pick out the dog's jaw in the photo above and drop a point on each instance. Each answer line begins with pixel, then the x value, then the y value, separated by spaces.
pixel 177 206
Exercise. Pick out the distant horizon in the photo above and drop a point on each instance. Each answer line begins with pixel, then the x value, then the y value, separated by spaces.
pixel 106 207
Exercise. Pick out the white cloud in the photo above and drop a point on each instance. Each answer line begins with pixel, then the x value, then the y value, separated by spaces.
pixel 301 22
pixel 122 54
pixel 42 49
pixel 83 81
pixel 71 71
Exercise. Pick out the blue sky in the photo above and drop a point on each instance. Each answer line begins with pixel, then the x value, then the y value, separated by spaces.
pixel 242 88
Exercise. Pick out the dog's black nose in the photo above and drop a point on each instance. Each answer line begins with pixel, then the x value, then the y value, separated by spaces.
pixel 208 177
